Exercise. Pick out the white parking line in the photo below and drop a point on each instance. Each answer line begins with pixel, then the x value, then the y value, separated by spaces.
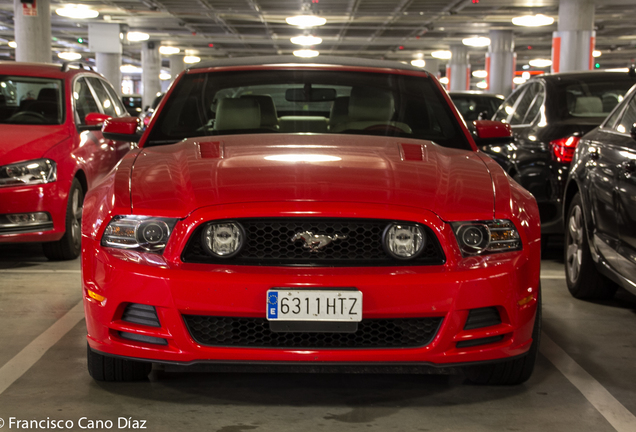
pixel 614 412
pixel 22 362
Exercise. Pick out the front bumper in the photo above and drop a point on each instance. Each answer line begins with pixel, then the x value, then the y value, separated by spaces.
pixel 507 281
pixel 49 198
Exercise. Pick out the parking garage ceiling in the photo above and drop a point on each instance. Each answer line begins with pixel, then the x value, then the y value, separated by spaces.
pixel 383 29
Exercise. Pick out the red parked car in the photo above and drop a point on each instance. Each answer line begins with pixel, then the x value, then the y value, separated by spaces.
pixel 52 151
pixel 322 213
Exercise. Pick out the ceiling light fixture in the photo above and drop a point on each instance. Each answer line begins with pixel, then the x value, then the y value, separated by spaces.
pixel 540 63
pixel 165 76
pixel 532 20
pixel 306 21
pixel 482 85
pixel 77 11
pixel 137 36
pixel 519 80
pixel 128 68
pixel 191 59
pixel 444 80
pixel 70 56
pixel 13 44
pixel 480 74
pixel 306 53
pixel 169 50
pixel 596 53
pixel 306 40
pixel 476 41
pixel 442 54
pixel 418 63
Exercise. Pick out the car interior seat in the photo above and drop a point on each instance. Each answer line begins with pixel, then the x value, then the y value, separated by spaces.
pixel 237 114
pixel 369 108
pixel 269 117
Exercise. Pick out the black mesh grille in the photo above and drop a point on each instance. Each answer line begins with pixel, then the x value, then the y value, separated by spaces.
pixel 268 242
pixel 255 332
pixel 141 314
pixel 482 317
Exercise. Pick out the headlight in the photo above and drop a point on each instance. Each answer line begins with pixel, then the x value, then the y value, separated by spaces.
pixel 223 240
pixel 479 237
pixel 404 241
pixel 32 172
pixel 138 232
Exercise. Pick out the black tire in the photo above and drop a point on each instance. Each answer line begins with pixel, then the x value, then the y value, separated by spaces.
pixel 511 372
pixel 583 279
pixel 69 246
pixel 105 368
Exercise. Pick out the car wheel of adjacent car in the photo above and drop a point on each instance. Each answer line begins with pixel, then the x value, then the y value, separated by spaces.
pixel 69 246
pixel 105 368
pixel 511 372
pixel 582 277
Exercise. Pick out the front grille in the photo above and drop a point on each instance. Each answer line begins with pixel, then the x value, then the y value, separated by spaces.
pixel 256 332
pixel 268 242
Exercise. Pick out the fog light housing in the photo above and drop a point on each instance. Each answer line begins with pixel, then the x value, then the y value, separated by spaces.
pixel 223 239
pixel 36 218
pixel 404 241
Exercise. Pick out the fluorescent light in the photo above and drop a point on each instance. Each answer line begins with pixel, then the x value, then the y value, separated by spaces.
pixel 69 55
pixel 480 74
pixel 191 59
pixel 165 76
pixel 77 11
pixel 306 21
pixel 618 70
pixel 306 40
pixel 519 80
pixel 540 63
pixel 444 80
pixel 137 36
pixel 532 20
pixel 482 85
pixel 476 41
pixel 13 44
pixel 526 75
pixel 442 54
pixel 169 50
pixel 306 53
pixel 128 68
pixel 418 63
pixel 596 53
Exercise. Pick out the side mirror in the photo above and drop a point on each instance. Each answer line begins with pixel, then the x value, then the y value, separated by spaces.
pixel 121 129
pixel 95 119
pixel 492 132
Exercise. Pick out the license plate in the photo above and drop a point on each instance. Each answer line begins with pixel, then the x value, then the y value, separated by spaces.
pixel 314 305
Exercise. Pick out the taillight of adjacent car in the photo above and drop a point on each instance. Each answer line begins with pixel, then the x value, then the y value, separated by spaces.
pixel 563 148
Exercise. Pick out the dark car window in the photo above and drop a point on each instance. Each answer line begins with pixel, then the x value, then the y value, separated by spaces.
pixel 470 106
pixel 536 105
pixel 626 123
pixel 302 101
pixel 524 103
pixel 507 107
pixel 31 100
pixel 103 98
pixel 84 101
pixel 587 99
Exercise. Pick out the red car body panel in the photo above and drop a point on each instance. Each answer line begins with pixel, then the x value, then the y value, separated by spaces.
pixel 85 155
pixel 215 178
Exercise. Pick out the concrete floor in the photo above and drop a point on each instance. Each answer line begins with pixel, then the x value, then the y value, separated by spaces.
pixel 585 378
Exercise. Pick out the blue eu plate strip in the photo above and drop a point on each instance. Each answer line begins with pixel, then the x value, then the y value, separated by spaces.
pixel 272 305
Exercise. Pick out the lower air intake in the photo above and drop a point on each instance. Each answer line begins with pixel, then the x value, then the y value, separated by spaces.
pixel 141 314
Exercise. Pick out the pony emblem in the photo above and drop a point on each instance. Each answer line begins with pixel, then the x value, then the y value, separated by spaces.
pixel 314 242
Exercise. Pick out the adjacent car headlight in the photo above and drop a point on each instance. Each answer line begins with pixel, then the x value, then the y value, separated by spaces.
pixel 404 240
pixel 31 172
pixel 479 237
pixel 224 239
pixel 144 233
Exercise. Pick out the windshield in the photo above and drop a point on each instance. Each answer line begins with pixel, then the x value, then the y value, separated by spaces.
pixel 307 101
pixel 28 100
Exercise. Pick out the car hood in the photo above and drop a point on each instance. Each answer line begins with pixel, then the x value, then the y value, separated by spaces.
pixel 25 142
pixel 177 179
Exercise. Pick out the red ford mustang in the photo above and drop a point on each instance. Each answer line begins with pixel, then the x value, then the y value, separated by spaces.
pixel 52 151
pixel 310 213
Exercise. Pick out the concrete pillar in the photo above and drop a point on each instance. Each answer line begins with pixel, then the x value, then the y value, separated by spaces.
pixel 500 62
pixel 573 43
pixel 176 65
pixel 109 65
pixel 432 66
pixel 458 69
pixel 32 31
pixel 151 65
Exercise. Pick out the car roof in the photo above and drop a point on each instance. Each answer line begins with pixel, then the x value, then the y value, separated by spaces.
pixel 475 93
pixel 321 60
pixel 49 70
pixel 596 75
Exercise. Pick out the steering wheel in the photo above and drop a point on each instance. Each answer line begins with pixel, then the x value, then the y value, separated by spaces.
pixel 19 114
pixel 384 128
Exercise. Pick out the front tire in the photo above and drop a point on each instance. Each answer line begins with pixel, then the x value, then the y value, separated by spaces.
pixel 105 368
pixel 583 279
pixel 510 372
pixel 69 246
